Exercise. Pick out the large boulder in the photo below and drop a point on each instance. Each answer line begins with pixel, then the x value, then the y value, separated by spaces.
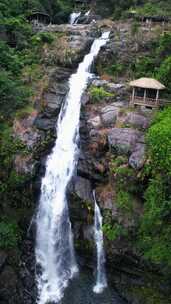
pixel 44 123
pixel 137 158
pixel 109 115
pixel 123 140
pixel 53 103
pixel 95 122
pixel 137 120
pixel 82 188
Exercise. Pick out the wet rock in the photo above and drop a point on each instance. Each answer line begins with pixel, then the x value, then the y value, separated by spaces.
pixel 83 189
pixel 123 140
pixel 8 286
pixel 87 168
pixel 87 19
pixel 44 123
pixel 3 258
pixel 85 99
pixel 53 103
pixel 137 158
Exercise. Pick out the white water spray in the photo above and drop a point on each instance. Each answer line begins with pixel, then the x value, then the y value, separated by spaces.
pixel 87 13
pixel 74 18
pixel 55 256
pixel 101 281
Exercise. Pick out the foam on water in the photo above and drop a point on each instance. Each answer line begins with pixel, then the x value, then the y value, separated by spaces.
pixel 101 281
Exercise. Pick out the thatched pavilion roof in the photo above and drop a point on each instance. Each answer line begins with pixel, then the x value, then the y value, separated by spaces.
pixel 147 83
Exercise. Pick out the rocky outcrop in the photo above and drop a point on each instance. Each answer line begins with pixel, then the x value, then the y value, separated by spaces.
pixel 124 140
pixel 138 121
pixel 137 158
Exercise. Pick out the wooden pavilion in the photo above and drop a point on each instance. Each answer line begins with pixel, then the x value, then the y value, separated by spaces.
pixel 145 92
pixel 39 18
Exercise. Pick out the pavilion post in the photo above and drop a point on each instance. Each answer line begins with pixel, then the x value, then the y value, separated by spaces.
pixel 133 96
pixel 145 94
pixel 157 97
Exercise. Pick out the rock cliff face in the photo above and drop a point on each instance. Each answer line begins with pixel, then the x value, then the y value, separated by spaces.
pixel 36 131
pixel 112 156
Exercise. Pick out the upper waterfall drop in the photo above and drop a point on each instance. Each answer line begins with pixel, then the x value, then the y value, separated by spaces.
pixel 101 281
pixel 54 250
pixel 74 17
pixel 87 13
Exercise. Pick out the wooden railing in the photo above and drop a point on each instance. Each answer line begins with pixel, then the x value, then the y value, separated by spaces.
pixel 149 102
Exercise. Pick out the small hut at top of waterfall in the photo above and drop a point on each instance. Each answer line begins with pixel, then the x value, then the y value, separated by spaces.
pixel 39 18
pixel 146 91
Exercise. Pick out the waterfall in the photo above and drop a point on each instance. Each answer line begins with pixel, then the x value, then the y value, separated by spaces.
pixel 74 18
pixel 101 281
pixel 87 13
pixel 55 258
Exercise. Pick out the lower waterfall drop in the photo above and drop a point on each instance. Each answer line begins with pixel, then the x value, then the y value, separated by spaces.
pixel 55 257
pixel 101 281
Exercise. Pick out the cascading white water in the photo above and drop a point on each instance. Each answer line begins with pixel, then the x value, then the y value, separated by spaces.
pixel 55 257
pixel 101 281
pixel 74 18
pixel 87 13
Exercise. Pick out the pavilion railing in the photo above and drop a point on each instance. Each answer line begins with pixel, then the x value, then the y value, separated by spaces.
pixel 150 102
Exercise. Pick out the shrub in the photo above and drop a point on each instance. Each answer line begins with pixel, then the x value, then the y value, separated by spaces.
pixel 9 234
pixel 116 162
pixel 99 94
pixel 13 95
pixel 163 73
pixel 42 37
pixel 124 201
pixel 155 230
pixel 159 143
pixel 113 232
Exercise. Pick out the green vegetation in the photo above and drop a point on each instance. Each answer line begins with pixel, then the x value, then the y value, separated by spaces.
pixel 120 9
pixel 157 64
pixel 154 8
pixel 155 230
pixel 8 149
pixel 99 94
pixel 9 234
pixel 22 76
pixel 153 234
pixel 112 229
pixel 124 201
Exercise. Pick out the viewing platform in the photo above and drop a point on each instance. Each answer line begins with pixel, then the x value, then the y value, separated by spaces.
pixel 146 91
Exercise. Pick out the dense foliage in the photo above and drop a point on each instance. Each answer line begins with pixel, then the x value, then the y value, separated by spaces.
pixel 20 69
pixel 155 227
pixel 158 63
